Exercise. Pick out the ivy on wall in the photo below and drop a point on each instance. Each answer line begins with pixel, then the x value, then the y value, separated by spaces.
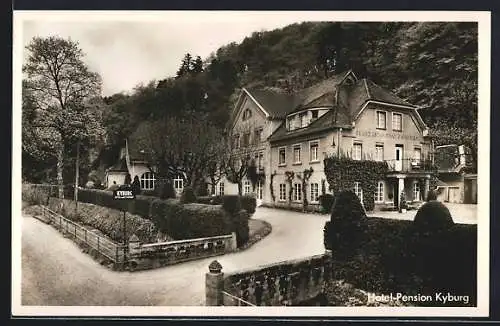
pixel 289 175
pixel 342 172
pixel 305 177
pixel 271 187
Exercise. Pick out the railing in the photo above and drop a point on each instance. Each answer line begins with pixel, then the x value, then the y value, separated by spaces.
pixel 111 250
pixel 235 300
pixel 171 252
pixel 410 165
pixel 285 283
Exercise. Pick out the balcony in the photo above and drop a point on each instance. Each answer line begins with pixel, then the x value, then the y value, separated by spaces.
pixel 410 165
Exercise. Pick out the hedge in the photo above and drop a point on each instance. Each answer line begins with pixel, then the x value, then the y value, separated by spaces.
pixel 248 203
pixel 190 220
pixel 180 221
pixel 387 256
pixel 106 220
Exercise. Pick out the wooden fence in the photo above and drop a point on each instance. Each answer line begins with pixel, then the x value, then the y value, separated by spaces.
pixel 109 249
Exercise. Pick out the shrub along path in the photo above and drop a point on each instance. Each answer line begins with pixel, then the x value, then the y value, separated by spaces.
pixel 56 272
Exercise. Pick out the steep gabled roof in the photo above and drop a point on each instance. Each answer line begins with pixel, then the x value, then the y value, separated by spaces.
pixel 377 93
pixel 333 118
pixel 274 101
pixel 307 96
pixel 119 166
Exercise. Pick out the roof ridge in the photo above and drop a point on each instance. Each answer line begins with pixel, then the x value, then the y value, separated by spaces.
pixel 366 88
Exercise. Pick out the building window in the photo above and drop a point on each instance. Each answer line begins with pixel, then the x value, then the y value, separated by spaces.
pixel 379 152
pixel 416 191
pixel 236 141
pixel 314 192
pixel 303 119
pixel 247 114
pixel 296 154
pixel 357 151
pixel 297 192
pixel 379 194
pixel 178 185
pixel 314 114
pixel 246 139
pixel 260 160
pixel 397 124
pixel 148 181
pixel 257 136
pixel 260 190
pixel 381 120
pixel 358 191
pixel 417 154
pixel 282 191
pixel 221 188
pixel 313 151
pixel 246 187
pixel 282 156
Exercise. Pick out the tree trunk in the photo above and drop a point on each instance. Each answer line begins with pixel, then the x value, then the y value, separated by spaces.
pixel 240 188
pixel 213 183
pixel 60 167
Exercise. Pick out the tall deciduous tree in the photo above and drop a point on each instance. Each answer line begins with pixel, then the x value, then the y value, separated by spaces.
pixel 185 145
pixel 60 85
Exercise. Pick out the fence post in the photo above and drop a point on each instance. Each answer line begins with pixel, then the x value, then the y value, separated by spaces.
pixel 98 244
pixel 60 223
pixel 214 285
pixel 75 230
pixel 85 235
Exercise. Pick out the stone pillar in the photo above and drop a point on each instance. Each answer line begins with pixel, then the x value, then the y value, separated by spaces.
pixel 234 244
pixel 214 284
pixel 426 188
pixel 401 188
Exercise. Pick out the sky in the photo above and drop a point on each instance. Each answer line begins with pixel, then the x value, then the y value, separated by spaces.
pixel 131 48
pixel 127 52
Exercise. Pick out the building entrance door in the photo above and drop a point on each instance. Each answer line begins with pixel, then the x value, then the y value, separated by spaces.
pixel 398 164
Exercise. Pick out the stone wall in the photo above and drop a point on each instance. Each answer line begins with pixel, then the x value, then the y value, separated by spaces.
pixel 153 255
pixel 285 283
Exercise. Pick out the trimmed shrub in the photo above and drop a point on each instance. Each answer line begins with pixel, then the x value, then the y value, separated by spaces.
pixel 202 190
pixel 347 206
pixel 231 204
pixel 326 202
pixel 204 200
pixel 167 191
pixel 196 220
pixel 346 221
pixel 402 201
pixel 249 203
pixel 431 195
pixel 433 216
pixel 142 206
pixel 240 226
pixel 188 195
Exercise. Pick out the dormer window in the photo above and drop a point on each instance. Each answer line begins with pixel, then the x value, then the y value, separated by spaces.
pixel 247 114
pixel 303 119
pixel 314 114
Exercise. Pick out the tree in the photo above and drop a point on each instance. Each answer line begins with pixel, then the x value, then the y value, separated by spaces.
pixel 180 146
pixel 446 132
pixel 60 85
pixel 240 155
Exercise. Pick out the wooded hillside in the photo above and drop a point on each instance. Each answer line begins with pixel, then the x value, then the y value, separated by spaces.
pixel 432 65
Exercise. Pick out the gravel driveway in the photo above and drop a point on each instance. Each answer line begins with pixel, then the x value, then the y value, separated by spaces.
pixel 56 272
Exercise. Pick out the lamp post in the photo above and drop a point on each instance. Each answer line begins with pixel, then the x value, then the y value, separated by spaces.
pixel 77 174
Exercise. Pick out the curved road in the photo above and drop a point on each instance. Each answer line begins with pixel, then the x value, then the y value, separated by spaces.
pixel 56 272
